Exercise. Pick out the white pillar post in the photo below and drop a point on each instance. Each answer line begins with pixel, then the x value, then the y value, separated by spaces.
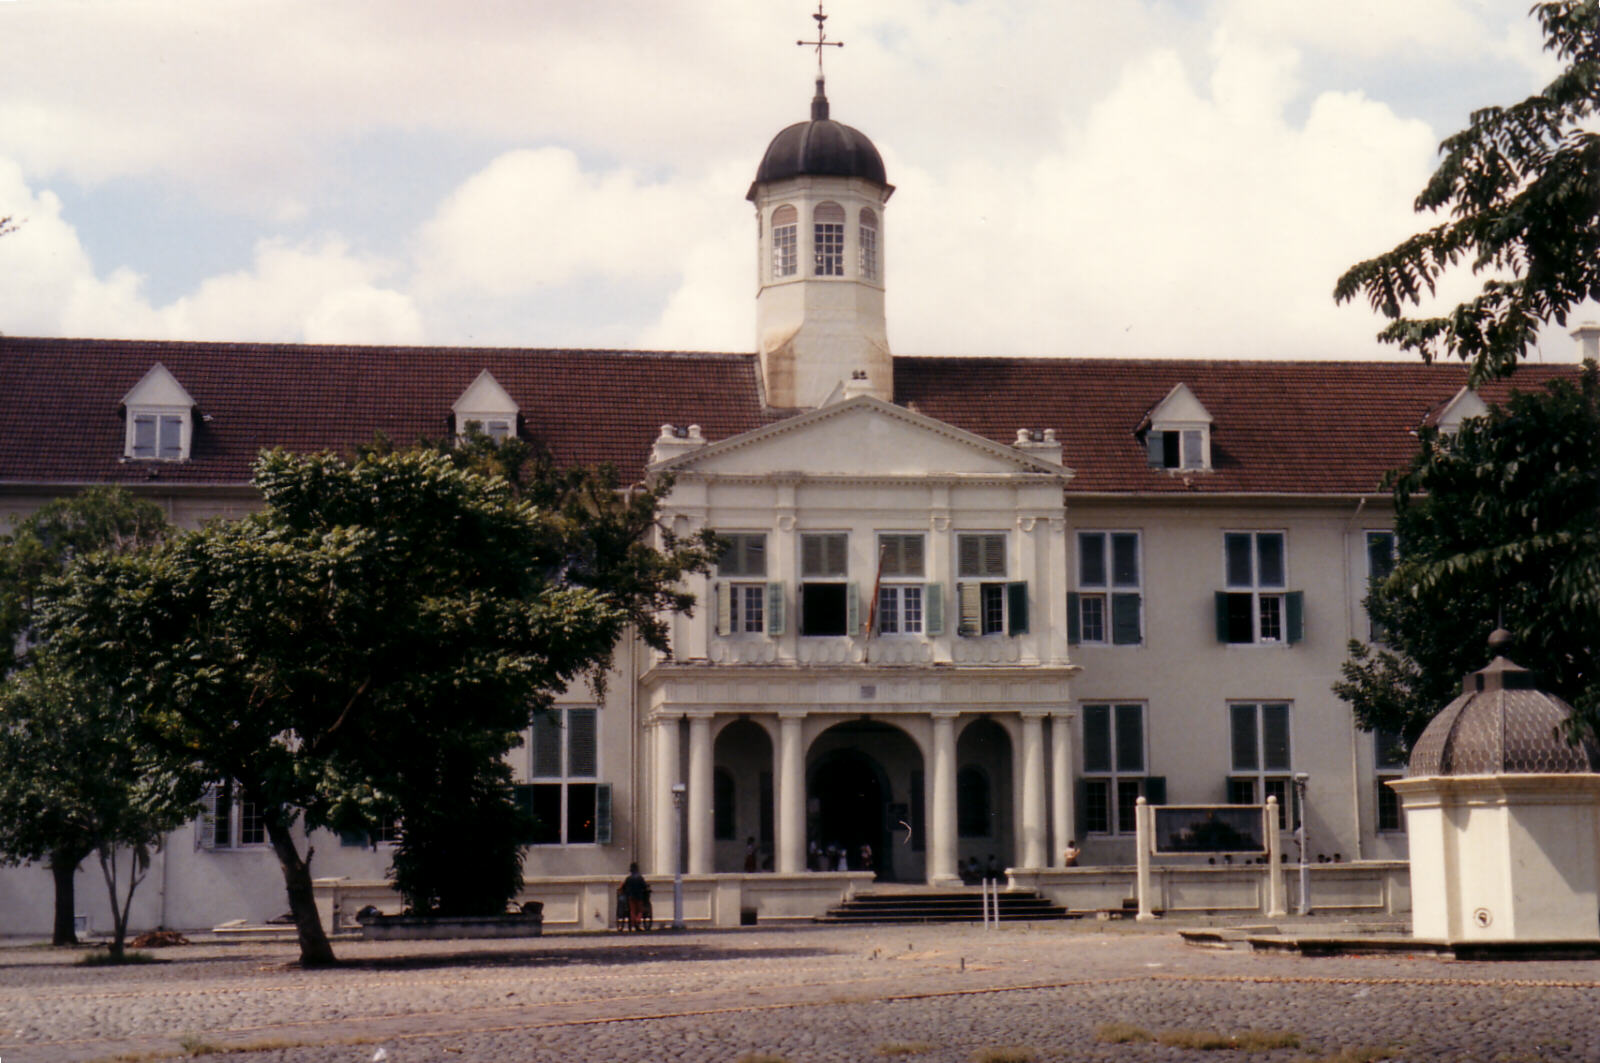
pixel 1032 852
pixel 700 793
pixel 1275 905
pixel 1144 820
pixel 942 823
pixel 665 819
pixel 1061 783
pixel 791 855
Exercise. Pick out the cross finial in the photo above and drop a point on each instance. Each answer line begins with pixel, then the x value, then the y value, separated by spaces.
pixel 819 103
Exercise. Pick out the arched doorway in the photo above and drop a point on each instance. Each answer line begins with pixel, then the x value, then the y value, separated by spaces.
pixel 742 797
pixel 859 787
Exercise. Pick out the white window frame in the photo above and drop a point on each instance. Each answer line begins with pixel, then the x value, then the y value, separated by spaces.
pixel 868 249
pixel 1116 777
pixel 982 588
pixel 1386 769
pixel 1269 612
pixel 1373 536
pixel 181 416
pixel 785 250
pixel 742 595
pixel 1095 596
pixel 827 247
pixel 1265 780
pixel 239 837
pixel 902 586
pixel 827 574
pixel 497 426
pixel 566 779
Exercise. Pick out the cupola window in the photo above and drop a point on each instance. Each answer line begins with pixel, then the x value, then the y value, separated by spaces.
pixel 828 239
pixel 785 252
pixel 869 244
pixel 486 407
pixel 160 418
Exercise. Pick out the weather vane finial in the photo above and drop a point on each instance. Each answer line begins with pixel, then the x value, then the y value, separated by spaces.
pixel 822 38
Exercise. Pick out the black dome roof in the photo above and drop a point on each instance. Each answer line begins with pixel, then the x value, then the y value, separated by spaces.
pixel 821 148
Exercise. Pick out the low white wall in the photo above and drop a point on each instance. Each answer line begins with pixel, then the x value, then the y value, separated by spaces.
pixel 1371 886
pixel 589 902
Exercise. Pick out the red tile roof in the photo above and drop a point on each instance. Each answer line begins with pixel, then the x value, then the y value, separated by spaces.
pixel 1280 427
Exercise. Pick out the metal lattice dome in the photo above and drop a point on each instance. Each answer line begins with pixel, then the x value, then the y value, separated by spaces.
pixel 1501 724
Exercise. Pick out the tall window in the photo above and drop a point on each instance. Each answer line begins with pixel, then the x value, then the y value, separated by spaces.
pixel 869 244
pixel 1389 755
pixel 1113 767
pixel 990 605
pixel 570 806
pixel 228 820
pixel 1106 606
pixel 1256 607
pixel 785 245
pixel 1380 562
pixel 743 594
pixel 901 605
pixel 826 603
pixel 827 239
pixel 1259 735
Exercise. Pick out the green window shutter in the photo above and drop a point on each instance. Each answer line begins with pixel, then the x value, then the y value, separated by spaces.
pixel 1222 616
pixel 852 609
pixel 969 599
pixel 933 609
pixel 1155 789
pixel 1295 606
pixel 724 595
pixel 1073 632
pixel 602 813
pixel 775 610
pixel 1125 619
pixel 1017 608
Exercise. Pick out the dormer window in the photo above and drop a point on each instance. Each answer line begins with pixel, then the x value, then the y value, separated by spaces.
pixel 1463 406
pixel 1178 432
pixel 160 418
pixel 486 407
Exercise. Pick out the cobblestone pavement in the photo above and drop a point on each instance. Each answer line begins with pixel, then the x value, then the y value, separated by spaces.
pixel 939 994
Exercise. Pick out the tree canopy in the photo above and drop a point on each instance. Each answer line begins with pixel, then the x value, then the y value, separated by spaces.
pixel 376 615
pixel 1498 526
pixel 1521 187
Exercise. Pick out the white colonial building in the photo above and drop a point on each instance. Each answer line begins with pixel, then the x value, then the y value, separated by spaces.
pixel 973 609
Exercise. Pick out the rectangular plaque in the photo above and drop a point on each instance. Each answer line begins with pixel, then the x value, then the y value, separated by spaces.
pixel 1210 829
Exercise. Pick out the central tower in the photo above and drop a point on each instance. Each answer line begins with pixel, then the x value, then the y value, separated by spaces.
pixel 819 196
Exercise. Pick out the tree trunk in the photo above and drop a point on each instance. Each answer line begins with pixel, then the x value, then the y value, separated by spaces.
pixel 315 951
pixel 63 868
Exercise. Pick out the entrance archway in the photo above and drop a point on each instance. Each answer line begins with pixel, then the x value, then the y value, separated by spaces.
pixel 859 787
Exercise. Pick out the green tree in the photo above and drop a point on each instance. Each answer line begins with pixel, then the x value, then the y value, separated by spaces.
pixel 1521 185
pixel 39 550
pixel 326 651
pixel 77 776
pixel 1498 526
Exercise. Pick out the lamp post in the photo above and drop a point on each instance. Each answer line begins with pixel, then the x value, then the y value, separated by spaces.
pixel 679 792
pixel 1303 907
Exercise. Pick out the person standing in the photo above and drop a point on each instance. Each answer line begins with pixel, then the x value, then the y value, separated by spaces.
pixel 635 890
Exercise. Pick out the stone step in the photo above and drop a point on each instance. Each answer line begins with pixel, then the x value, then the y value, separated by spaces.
pixel 942 907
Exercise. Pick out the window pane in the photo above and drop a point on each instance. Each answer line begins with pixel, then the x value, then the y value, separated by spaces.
pixel 1380 554
pixel 144 436
pixel 823 609
pixel 1130 739
pixel 1389 749
pixel 1245 755
pixel 752 601
pixel 1097 806
pixel 545 806
pixel 1275 737
pixel 1092 618
pixel 1241 622
pixel 1191 450
pixel 1240 570
pixel 582 743
pixel 1125 559
pixel 252 828
pixel 1241 791
pixel 1097 738
pixel 1269 547
pixel 1272 618
pixel 1389 815
pixel 888 611
pixel 981 555
pixel 994 608
pixel 1091 559
pixel 580 813
pixel 547 744
pixel 171 438
pixel 746 555
pixel 824 554
pixel 1127 800
pixel 911 610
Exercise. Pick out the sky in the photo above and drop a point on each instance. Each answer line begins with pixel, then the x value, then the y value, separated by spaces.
pixel 1127 178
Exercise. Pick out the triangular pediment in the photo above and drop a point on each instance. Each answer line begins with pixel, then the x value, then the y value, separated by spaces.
pixel 485 396
pixel 158 388
pixel 859 437
pixel 1180 407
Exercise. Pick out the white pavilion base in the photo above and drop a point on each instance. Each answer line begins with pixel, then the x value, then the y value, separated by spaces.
pixel 1504 857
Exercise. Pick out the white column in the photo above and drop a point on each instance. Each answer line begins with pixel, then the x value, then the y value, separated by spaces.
pixel 1061 786
pixel 1034 834
pixel 665 820
pixel 700 793
pixel 942 823
pixel 1144 821
pixel 791 855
